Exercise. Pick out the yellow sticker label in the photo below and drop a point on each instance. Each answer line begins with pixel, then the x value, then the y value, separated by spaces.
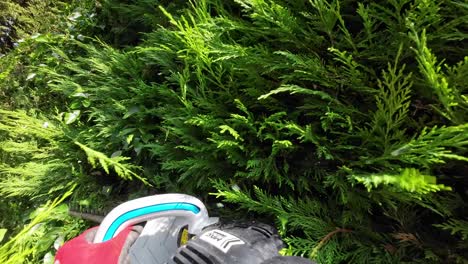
pixel 184 237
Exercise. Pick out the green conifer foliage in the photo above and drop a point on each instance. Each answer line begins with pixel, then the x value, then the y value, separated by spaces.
pixel 311 108
pixel 20 19
pixel 349 116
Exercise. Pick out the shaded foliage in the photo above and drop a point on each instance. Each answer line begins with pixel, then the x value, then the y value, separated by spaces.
pixel 351 116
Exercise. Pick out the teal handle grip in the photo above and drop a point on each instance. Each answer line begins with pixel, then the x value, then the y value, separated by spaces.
pixel 151 207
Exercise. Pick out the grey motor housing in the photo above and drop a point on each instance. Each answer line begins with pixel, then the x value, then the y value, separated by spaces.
pixel 235 243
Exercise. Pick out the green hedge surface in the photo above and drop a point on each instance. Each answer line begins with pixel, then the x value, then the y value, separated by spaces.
pixel 344 123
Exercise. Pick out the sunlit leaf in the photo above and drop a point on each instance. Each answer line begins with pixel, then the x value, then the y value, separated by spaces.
pixel 71 117
pixel 2 234
pixel 30 76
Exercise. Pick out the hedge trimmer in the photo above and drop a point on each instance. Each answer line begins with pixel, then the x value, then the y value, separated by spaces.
pixel 173 229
